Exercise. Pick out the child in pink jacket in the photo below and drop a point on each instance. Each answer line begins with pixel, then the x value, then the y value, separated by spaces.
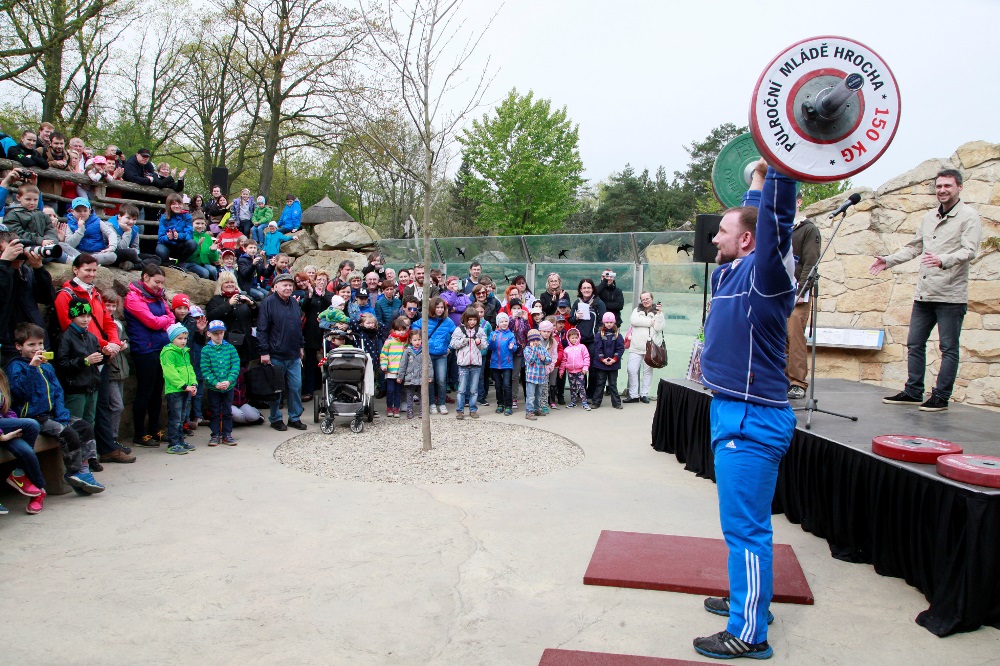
pixel 576 364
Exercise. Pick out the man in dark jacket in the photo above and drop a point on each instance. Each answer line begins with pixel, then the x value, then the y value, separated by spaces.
pixel 138 168
pixel 281 343
pixel 806 242
pixel 608 291
pixel 24 287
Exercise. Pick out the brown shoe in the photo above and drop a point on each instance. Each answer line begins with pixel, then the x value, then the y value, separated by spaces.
pixel 117 456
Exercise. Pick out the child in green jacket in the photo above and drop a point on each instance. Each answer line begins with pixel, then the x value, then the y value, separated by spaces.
pixel 180 384
pixel 206 254
pixel 220 368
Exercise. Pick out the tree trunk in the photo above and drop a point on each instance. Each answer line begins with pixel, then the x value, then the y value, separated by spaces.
pixel 52 69
pixel 270 145
pixel 428 183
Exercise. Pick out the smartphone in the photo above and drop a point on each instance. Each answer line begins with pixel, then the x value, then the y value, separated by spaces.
pixel 48 356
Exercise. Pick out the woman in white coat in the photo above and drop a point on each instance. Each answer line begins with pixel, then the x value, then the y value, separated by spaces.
pixel 647 324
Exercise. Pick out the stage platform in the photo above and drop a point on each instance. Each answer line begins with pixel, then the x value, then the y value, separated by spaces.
pixel 941 536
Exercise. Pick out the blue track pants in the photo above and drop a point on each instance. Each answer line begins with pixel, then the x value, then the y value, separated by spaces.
pixel 749 441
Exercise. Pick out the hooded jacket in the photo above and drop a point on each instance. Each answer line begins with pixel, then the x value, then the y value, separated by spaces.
pixel 93 236
pixel 31 226
pixel 26 157
pixel 576 357
pixel 392 352
pixel 502 346
pixel 180 223
pixel 411 368
pixel 385 308
pixel 147 318
pixel 35 391
pixel 219 363
pixel 102 324
pixel 607 344
pixel 204 255
pixel 439 332
pixel 291 217
pixel 469 345
pixel 75 375
pixel 178 373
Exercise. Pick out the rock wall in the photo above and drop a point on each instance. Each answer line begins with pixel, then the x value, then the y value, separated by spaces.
pixel 882 223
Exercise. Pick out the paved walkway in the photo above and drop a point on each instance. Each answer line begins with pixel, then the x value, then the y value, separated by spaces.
pixel 225 556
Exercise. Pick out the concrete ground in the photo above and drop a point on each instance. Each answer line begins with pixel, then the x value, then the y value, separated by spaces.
pixel 224 556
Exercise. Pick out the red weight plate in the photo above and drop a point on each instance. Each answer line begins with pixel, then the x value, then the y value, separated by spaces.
pixel 977 470
pixel 843 140
pixel 913 448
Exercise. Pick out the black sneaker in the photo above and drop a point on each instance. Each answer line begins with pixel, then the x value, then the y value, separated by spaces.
pixel 298 425
pixel 279 426
pixel 934 404
pixel 720 606
pixel 902 398
pixel 724 645
pixel 146 442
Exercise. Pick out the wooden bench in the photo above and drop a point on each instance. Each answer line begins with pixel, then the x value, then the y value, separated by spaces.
pixel 51 462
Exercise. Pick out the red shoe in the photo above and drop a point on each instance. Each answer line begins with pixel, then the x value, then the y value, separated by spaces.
pixel 35 505
pixel 22 484
pixel 449 400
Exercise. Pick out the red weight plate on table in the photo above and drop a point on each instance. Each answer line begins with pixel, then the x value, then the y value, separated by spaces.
pixel 977 470
pixel 913 448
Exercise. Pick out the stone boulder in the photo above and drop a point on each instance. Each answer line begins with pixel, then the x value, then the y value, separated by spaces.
pixel 345 236
pixel 325 211
pixel 195 288
pixel 328 260
pixel 301 245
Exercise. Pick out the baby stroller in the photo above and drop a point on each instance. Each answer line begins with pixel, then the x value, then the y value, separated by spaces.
pixel 348 386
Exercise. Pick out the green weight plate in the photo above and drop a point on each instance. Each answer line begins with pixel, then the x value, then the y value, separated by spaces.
pixel 732 166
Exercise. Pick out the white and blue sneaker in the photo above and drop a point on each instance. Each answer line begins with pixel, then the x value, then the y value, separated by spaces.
pixel 84 481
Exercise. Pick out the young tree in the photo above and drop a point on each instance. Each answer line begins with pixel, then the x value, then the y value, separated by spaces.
pixel 813 192
pixel 697 178
pixel 525 166
pixel 419 54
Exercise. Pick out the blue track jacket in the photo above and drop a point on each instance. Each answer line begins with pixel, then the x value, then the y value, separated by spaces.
pixel 752 297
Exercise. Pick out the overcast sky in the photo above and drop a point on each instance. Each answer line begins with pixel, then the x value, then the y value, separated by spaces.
pixel 643 77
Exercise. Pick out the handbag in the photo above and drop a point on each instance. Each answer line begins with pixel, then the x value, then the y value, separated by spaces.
pixel 265 382
pixel 628 338
pixel 656 354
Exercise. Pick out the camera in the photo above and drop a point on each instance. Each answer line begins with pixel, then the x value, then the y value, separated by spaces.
pixel 43 251
pixel 25 174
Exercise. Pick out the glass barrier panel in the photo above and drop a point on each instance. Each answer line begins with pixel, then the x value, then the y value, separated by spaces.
pixel 581 248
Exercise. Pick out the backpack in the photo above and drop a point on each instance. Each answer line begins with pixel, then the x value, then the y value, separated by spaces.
pixel 52 327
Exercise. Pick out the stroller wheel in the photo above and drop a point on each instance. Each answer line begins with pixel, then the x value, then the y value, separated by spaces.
pixel 357 425
pixel 327 426
pixel 370 412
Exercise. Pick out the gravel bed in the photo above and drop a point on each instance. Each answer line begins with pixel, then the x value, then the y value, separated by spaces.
pixel 388 451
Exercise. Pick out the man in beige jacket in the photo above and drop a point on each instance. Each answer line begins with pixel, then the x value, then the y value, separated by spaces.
pixel 947 241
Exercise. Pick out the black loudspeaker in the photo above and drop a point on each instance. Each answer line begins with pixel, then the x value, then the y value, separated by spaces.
pixel 705 228
pixel 220 177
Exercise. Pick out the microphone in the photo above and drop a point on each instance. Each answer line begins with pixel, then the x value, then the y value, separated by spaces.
pixel 851 200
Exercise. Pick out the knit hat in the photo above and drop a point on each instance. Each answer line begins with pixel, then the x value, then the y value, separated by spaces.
pixel 196 312
pixel 78 307
pixel 546 326
pixel 502 316
pixel 563 303
pixel 337 301
pixel 175 330
pixel 573 331
pixel 180 300
pixel 261 200
pixel 283 277
pixel 272 223
pixel 216 325
pixel 534 335
pixel 608 316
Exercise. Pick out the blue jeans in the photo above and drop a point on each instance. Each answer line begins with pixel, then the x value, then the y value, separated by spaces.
pixel 483 383
pixel 468 386
pixel 501 377
pixel 440 385
pixel 179 250
pixel 197 413
pixel 948 317
pixel 748 441
pixel 393 392
pixel 532 398
pixel 23 447
pixel 293 389
pixel 208 272
pixel 220 412
pixel 178 407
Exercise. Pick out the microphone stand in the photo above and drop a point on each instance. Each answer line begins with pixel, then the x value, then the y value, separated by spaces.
pixel 811 285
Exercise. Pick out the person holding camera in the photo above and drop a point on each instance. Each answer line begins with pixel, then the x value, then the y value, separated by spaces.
pixel 611 295
pixel 26 219
pixel 25 284
pixel 238 312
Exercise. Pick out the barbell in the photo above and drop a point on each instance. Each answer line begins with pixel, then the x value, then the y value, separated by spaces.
pixel 823 109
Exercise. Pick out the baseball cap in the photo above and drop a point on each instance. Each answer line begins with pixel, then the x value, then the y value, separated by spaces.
pixel 196 312
pixel 363 292
pixel 100 159
pixel 180 300
pixel 216 325
pixel 80 202
pixel 563 303
pixel 227 251
pixel 143 151
pixel 560 318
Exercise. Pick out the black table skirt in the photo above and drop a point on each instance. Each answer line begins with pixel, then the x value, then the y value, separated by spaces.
pixel 941 539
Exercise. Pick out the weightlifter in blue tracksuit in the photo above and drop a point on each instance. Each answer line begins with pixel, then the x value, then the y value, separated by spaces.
pixel 743 363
